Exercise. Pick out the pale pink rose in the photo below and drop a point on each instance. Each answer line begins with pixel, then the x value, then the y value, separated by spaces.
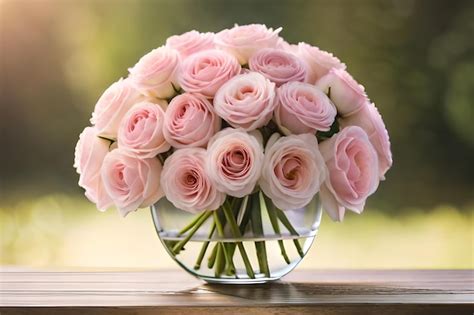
pixel 191 42
pixel 279 66
pixel 243 41
pixel 141 131
pixel 88 158
pixel 113 105
pixel 353 172
pixel 206 71
pixel 131 182
pixel 303 108
pixel 293 170
pixel 186 183
pixel 190 121
pixel 369 119
pixel 234 161
pixel 291 48
pixel 348 95
pixel 246 101
pixel 155 74
pixel 319 61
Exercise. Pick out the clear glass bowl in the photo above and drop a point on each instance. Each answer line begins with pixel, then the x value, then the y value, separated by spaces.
pixel 282 251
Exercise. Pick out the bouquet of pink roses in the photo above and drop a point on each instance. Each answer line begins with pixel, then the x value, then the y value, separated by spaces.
pixel 215 122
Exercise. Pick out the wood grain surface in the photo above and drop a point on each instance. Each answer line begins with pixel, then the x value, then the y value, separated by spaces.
pixel 175 292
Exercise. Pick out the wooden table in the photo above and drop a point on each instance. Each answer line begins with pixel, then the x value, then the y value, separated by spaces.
pixel 175 292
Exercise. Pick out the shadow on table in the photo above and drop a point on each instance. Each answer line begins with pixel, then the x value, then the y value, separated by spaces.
pixel 285 292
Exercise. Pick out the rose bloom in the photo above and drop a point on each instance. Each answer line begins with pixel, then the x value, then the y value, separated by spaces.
pixel 234 161
pixel 131 182
pixel 190 121
pixel 293 170
pixel 88 157
pixel 284 45
pixel 303 108
pixel 155 74
pixel 186 184
pixel 369 119
pixel 319 61
pixel 191 42
pixel 206 71
pixel 353 172
pixel 113 105
pixel 348 95
pixel 243 41
pixel 246 101
pixel 279 66
pixel 141 131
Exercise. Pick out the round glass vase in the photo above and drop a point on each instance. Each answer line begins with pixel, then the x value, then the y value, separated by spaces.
pixel 247 240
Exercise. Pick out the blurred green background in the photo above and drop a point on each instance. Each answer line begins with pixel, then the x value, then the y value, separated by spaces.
pixel 415 58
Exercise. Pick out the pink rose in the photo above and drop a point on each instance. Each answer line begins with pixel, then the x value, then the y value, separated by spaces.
pixel 293 170
pixel 88 158
pixel 353 172
pixel 279 66
pixel 191 42
pixel 369 119
pixel 348 95
pixel 246 101
pixel 141 131
pixel 303 108
pixel 190 121
pixel 131 182
pixel 186 183
pixel 206 71
pixel 243 41
pixel 155 74
pixel 319 61
pixel 112 106
pixel 234 161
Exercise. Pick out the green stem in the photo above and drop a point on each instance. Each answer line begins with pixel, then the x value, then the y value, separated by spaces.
pixel 246 217
pixel 204 247
pixel 230 268
pixel 220 260
pixel 236 232
pixel 257 228
pixel 191 224
pixel 283 219
pixel 177 248
pixel 212 258
pixel 265 201
pixel 243 216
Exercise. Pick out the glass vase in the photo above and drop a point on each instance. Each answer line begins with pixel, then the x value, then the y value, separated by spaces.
pixel 247 240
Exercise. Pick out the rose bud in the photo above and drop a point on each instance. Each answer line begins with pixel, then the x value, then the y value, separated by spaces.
pixel 353 172
pixel 155 74
pixel 303 108
pixel 206 71
pixel 190 121
pixel 191 42
pixel 186 183
pixel 246 101
pixel 131 182
pixel 319 61
pixel 88 157
pixel 141 131
pixel 369 119
pixel 234 161
pixel 348 95
pixel 243 41
pixel 279 66
pixel 112 106
pixel 293 170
